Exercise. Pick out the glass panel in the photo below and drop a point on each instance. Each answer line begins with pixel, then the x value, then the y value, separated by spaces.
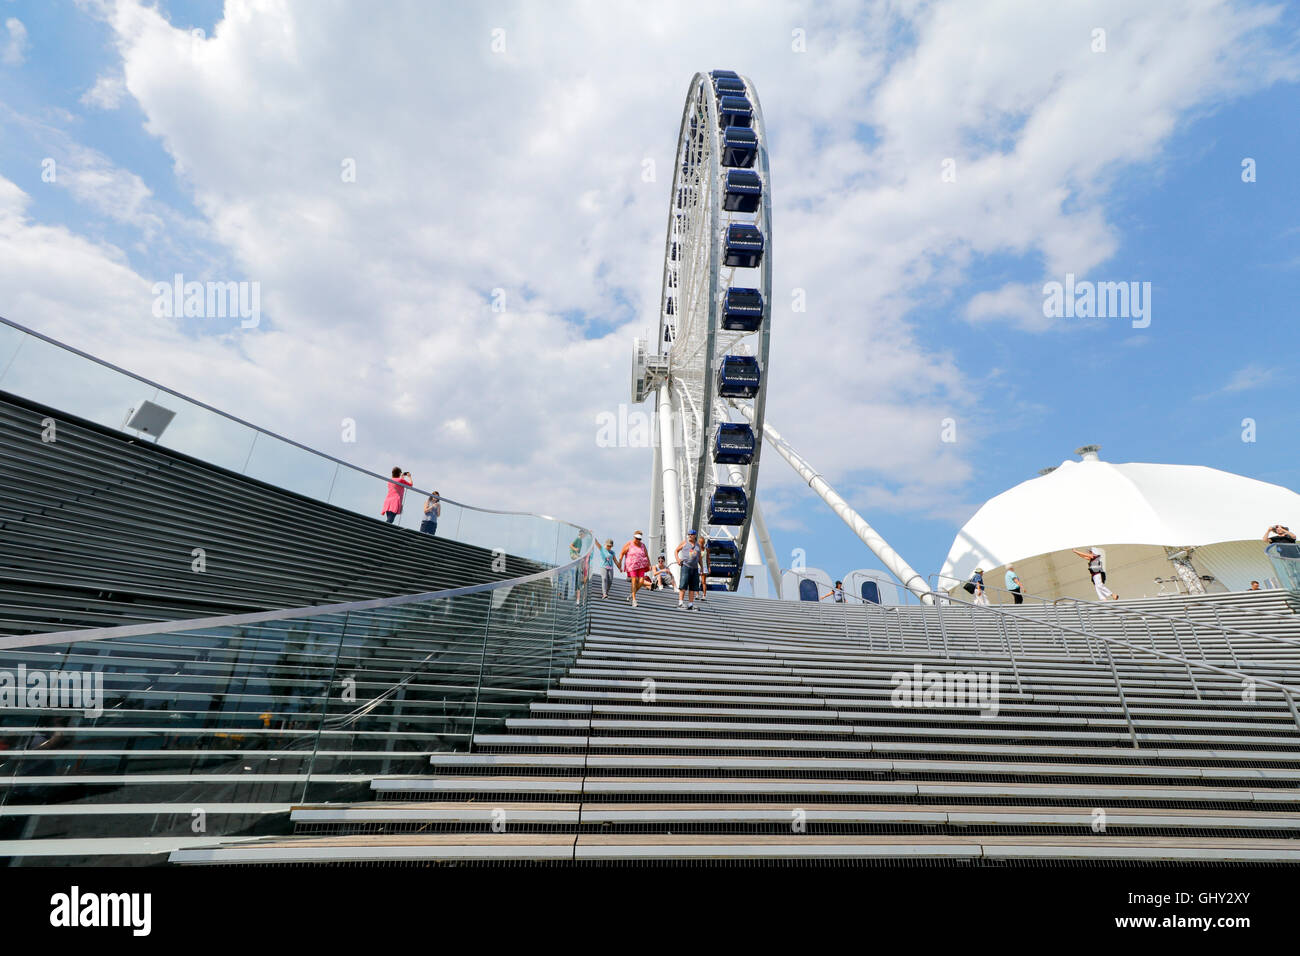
pixel 206 435
pixel 63 380
pixel 279 463
pixel 359 492
pixel 310 707
pixel 10 341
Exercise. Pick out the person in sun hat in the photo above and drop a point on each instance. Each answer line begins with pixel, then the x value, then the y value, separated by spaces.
pixel 634 561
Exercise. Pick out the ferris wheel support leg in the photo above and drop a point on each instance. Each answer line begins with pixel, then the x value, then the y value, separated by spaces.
pixel 656 531
pixel 764 540
pixel 769 552
pixel 668 464
pixel 879 547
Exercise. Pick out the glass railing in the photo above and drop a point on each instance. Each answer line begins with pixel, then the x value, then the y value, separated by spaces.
pixel 1286 562
pixel 268 707
pixel 42 370
pixel 273 707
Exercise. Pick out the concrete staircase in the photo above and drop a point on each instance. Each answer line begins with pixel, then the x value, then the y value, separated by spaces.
pixel 755 731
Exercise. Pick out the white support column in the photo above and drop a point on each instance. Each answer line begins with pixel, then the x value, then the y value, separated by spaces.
pixel 769 552
pixel 879 547
pixel 655 542
pixel 668 465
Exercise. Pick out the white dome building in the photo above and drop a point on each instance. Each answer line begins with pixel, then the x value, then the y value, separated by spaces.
pixel 1162 529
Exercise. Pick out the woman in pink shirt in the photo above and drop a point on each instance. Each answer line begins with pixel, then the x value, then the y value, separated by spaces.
pixel 393 502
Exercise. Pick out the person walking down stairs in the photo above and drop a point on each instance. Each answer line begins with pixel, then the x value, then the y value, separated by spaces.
pixel 1097 572
pixel 602 564
pixel 634 561
pixel 688 559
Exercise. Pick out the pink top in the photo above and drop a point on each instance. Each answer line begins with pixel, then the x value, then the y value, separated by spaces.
pixel 637 560
pixel 395 492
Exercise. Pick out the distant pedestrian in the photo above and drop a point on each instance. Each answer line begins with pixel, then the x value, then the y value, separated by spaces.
pixel 396 490
pixel 602 564
pixel 1013 584
pixel 432 510
pixel 1254 585
pixel 688 558
pixel 1279 534
pixel 836 592
pixel 1097 571
pixel 975 586
pixel 634 561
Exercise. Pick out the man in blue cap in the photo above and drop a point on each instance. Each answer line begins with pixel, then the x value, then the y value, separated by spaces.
pixel 688 558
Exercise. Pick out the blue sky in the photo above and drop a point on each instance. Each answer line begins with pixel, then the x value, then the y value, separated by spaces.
pixel 522 173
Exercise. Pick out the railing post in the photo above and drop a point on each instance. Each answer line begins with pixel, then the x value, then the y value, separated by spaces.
pixel 1290 701
pixel 1178 642
pixel 943 629
pixel 1232 651
pixel 1197 638
pixel 1015 669
pixel 482 659
pixel 1123 701
pixel 325 703
pixel 1088 638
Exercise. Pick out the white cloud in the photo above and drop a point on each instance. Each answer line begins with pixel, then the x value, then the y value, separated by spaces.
pixel 15 48
pixel 1243 380
pixel 522 171
pixel 1015 302
pixel 107 93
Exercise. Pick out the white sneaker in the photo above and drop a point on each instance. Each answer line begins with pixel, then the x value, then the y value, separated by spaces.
pixel 681 603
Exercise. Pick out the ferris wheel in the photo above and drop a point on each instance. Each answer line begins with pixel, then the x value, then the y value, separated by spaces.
pixel 708 365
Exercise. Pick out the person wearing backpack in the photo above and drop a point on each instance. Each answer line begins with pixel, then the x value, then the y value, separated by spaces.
pixel 1097 571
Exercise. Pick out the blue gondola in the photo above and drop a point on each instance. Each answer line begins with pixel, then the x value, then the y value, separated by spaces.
pixel 744 247
pixel 734 444
pixel 729 505
pixel 729 86
pixel 734 111
pixel 743 191
pixel 739 377
pixel 739 146
pixel 808 590
pixel 729 74
pixel 870 592
pixel 724 558
pixel 669 310
pixel 742 310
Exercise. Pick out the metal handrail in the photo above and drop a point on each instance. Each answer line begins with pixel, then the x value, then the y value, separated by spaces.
pixel 1116 609
pixel 1288 693
pixel 260 430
